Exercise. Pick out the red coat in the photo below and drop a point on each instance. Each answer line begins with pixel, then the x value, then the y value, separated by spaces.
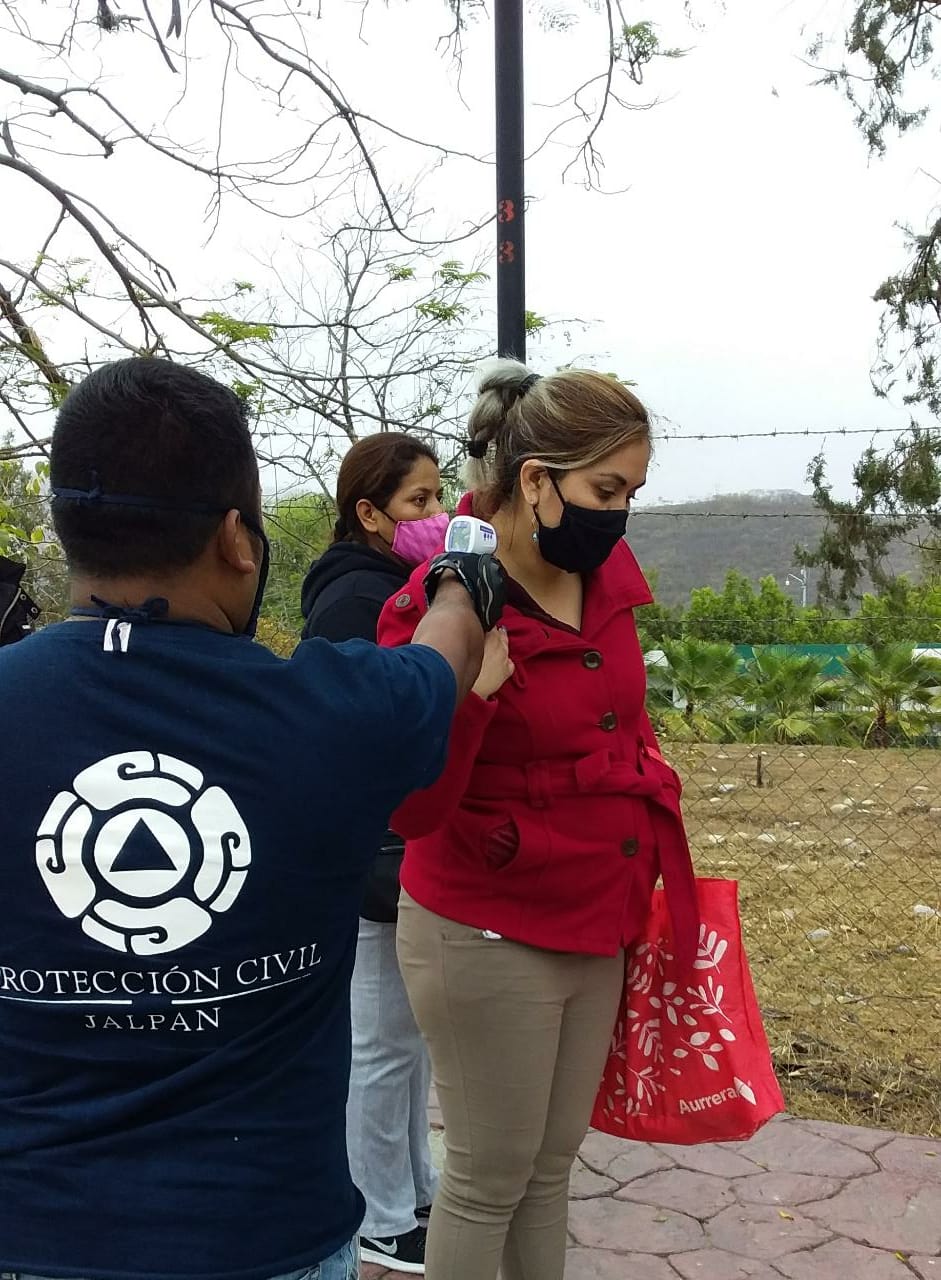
pixel 556 812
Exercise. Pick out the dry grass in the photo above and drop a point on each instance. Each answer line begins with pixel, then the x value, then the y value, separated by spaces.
pixel 853 1014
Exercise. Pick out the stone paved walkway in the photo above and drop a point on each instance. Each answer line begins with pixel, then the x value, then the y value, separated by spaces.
pixel 803 1200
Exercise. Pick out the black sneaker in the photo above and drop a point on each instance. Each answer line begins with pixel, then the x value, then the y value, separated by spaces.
pixel 397 1253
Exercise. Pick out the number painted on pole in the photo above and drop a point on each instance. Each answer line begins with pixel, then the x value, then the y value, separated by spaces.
pixel 506 211
pixel 506 251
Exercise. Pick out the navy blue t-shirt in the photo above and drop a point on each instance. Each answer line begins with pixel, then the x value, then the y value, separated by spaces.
pixel 186 825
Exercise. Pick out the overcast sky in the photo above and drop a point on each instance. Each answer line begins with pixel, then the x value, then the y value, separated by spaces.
pixel 732 279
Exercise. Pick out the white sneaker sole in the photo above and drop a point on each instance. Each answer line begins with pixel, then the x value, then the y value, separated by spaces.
pixel 390 1262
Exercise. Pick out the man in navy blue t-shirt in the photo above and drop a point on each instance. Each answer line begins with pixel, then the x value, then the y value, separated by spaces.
pixel 185 827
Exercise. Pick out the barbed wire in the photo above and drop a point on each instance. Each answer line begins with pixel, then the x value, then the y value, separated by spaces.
pixel 636 512
pixel 29 448
pixel 688 621
pixel 273 510
pixel 789 432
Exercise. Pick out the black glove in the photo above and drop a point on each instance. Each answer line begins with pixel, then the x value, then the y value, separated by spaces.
pixel 480 575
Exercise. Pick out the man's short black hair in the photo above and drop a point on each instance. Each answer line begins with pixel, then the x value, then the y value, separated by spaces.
pixel 148 428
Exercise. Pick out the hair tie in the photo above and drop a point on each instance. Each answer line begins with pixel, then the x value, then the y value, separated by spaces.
pixel 529 381
pixel 477 448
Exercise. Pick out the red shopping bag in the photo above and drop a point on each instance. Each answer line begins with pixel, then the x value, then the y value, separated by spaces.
pixel 689 1061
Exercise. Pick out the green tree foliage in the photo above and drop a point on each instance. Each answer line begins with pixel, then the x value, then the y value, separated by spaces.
pixel 739 614
pixel 276 636
pixel 889 60
pixel 26 532
pixel 884 696
pixel 21 505
pixel 897 496
pixel 658 622
pixel 906 612
pixel 884 41
pixel 780 687
pixel 299 530
pixel 887 693
pixel 888 66
pixel 694 689
pixel 729 667
pixel 229 330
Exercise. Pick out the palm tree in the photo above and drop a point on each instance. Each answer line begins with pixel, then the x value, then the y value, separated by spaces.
pixel 889 692
pixel 696 688
pixel 782 687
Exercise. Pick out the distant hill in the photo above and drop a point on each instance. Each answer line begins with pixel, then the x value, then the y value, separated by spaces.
pixel 693 544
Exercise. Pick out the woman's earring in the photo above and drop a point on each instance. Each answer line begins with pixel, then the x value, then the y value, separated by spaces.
pixel 535 526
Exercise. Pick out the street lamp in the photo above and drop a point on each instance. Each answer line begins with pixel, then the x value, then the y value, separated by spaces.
pixel 802 579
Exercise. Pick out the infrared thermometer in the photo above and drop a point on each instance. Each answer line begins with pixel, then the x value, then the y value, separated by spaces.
pixel 466 533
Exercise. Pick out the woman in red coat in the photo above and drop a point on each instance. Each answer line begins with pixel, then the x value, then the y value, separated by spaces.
pixel 530 864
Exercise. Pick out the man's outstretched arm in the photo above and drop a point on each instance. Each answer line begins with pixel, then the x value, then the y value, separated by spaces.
pixel 451 627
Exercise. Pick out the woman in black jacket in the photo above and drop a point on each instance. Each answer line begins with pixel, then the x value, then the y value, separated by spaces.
pixel 390 519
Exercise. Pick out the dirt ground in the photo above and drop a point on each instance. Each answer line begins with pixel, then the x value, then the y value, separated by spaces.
pixel 838 855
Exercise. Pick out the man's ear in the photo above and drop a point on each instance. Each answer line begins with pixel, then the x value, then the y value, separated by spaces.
pixel 234 541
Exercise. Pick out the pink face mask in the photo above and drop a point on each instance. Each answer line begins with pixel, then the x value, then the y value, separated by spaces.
pixel 416 541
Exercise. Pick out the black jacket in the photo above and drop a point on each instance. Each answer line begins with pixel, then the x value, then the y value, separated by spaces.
pixel 17 611
pixel 341 599
pixel 344 591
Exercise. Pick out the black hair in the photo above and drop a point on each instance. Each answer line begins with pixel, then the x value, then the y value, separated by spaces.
pixel 148 428
pixel 374 468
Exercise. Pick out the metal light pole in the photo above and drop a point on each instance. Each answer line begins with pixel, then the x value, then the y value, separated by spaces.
pixel 802 579
pixel 511 261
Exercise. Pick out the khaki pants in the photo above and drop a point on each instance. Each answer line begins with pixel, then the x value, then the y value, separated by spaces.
pixel 518 1040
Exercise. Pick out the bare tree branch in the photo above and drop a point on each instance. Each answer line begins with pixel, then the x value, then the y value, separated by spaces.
pixel 157 36
pixel 132 283
pixel 28 339
pixel 58 103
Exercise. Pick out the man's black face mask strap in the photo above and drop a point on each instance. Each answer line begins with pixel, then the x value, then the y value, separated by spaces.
pixel 96 497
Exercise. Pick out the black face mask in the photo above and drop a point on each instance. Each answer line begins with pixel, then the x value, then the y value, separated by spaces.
pixel 583 539
pixel 95 495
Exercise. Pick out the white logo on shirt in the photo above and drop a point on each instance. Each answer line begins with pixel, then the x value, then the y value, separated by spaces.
pixel 143 852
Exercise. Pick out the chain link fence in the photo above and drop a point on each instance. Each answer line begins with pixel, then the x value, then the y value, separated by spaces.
pixel 812 775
